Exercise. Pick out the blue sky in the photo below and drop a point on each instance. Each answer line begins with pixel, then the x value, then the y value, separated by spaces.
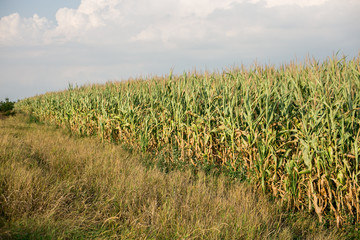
pixel 45 45
pixel 27 8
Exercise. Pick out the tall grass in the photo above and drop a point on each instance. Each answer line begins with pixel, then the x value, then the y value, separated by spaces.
pixel 294 130
pixel 53 186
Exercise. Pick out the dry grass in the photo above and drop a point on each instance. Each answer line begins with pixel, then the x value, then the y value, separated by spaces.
pixel 293 130
pixel 53 186
pixel 2 116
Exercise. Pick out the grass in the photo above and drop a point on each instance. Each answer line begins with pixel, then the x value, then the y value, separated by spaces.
pixel 57 186
pixel 293 131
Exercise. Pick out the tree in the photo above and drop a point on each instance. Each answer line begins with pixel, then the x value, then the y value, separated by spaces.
pixel 7 107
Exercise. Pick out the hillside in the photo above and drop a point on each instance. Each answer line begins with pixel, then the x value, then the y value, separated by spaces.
pixel 57 186
pixel 292 131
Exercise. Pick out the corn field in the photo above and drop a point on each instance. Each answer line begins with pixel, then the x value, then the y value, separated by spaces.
pixel 293 130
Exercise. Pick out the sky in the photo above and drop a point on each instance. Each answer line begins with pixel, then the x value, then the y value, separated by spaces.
pixel 47 45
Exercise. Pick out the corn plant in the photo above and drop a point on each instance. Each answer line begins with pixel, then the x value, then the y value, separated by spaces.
pixel 294 130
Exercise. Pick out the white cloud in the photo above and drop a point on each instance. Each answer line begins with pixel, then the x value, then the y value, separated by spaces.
pixel 301 3
pixel 75 24
pixel 17 30
pixel 71 24
pixel 109 39
pixel 187 21
pixel 202 8
pixel 168 21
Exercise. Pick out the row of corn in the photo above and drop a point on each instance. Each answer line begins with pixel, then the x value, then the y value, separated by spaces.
pixel 294 130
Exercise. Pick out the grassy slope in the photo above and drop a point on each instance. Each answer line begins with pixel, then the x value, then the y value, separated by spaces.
pixel 56 186
pixel 293 130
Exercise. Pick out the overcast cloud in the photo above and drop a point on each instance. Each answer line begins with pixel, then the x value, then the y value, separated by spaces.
pixel 104 40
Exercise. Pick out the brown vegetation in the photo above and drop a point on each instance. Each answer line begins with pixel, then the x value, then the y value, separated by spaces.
pixel 56 186
pixel 293 131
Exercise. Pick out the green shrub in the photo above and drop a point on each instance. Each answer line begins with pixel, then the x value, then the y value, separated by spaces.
pixel 7 107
